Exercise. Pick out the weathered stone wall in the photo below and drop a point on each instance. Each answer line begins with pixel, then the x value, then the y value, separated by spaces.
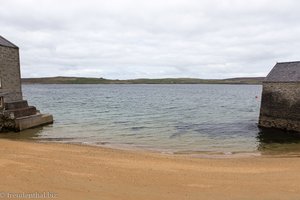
pixel 280 106
pixel 7 123
pixel 10 74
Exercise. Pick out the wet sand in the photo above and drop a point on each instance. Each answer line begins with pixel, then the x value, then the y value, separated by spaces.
pixel 85 172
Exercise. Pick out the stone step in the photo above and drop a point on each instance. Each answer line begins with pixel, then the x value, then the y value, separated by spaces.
pixel 23 123
pixel 21 112
pixel 15 105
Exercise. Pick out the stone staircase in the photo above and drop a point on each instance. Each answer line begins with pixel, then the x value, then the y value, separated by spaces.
pixel 19 115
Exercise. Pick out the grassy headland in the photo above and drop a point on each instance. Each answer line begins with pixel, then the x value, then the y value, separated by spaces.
pixel 83 80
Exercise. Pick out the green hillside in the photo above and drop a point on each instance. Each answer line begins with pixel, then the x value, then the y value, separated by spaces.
pixel 83 80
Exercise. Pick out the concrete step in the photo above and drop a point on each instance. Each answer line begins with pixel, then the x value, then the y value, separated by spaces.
pixel 21 112
pixel 15 105
pixel 31 121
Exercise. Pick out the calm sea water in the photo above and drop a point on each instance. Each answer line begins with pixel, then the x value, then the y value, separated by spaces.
pixel 167 118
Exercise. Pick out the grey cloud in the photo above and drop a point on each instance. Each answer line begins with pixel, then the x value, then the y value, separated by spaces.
pixel 136 38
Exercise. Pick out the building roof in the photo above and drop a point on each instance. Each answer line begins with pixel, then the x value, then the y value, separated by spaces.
pixel 6 43
pixel 285 72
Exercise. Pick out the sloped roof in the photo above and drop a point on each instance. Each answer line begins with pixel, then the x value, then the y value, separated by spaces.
pixel 285 72
pixel 6 43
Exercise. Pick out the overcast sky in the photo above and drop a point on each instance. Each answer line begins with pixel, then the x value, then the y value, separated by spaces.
pixel 152 38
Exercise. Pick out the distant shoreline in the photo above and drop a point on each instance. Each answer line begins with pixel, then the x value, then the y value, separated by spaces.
pixel 84 80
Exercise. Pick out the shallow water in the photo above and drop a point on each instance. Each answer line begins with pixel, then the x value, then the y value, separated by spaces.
pixel 168 118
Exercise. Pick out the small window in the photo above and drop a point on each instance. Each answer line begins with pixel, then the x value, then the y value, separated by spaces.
pixel 1 103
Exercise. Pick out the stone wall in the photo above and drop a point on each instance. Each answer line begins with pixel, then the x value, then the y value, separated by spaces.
pixel 280 106
pixel 7 123
pixel 10 74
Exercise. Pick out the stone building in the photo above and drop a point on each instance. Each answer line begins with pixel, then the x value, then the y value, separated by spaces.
pixel 280 105
pixel 15 114
pixel 10 81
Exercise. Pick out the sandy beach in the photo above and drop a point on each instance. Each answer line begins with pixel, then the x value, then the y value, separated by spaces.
pixel 84 172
